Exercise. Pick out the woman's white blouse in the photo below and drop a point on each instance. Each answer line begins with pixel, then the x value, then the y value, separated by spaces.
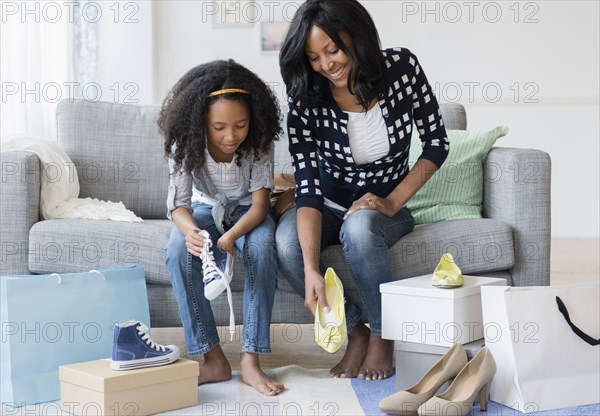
pixel 368 136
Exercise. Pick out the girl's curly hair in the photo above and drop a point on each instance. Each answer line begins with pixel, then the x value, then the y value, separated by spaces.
pixel 182 119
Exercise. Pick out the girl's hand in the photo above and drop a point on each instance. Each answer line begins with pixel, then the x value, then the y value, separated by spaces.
pixel 194 242
pixel 227 242
pixel 372 201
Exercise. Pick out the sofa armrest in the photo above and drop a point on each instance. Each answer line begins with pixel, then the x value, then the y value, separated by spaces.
pixel 516 190
pixel 19 208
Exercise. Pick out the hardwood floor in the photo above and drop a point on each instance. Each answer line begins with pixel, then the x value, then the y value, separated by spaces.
pixel 572 261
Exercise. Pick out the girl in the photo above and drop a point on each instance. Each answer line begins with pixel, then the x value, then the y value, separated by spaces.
pixel 219 123
pixel 350 118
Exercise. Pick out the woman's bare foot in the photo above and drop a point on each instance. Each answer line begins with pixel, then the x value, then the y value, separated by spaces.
pixel 378 361
pixel 215 367
pixel 253 376
pixel 358 342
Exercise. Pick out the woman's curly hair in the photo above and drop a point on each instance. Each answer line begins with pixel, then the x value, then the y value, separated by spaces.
pixel 182 119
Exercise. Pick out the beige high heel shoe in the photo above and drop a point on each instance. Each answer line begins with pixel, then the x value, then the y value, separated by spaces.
pixel 474 378
pixel 407 402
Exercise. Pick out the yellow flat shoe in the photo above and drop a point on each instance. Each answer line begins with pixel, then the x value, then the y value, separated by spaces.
pixel 330 328
pixel 447 274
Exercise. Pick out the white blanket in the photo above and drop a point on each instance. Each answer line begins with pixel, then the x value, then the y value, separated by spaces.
pixel 60 186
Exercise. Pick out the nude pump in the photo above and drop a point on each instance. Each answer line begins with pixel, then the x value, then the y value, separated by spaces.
pixel 407 402
pixel 474 378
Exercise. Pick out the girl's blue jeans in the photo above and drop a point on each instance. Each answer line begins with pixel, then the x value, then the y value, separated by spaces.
pixel 260 265
pixel 365 236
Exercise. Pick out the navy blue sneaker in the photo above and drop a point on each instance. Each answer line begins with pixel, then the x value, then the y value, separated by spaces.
pixel 133 348
pixel 217 268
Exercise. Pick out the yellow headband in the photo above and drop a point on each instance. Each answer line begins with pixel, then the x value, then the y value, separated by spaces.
pixel 227 91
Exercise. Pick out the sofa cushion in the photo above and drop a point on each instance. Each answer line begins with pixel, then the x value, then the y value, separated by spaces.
pixel 480 247
pixel 75 245
pixel 64 245
pixel 454 116
pixel 455 191
pixel 118 153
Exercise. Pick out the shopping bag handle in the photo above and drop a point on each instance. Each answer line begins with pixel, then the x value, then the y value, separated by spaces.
pixel 563 309
pixel 99 273
pixel 59 277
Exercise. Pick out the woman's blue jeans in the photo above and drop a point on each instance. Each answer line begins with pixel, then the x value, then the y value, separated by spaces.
pixel 260 264
pixel 366 236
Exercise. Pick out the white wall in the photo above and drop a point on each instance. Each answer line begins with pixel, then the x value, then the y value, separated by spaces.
pixel 185 36
pixel 125 52
pixel 532 66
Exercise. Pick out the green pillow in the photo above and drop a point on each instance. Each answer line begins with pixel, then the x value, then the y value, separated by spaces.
pixel 455 191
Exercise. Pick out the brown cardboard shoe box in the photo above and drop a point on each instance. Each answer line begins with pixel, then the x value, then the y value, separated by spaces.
pixel 93 388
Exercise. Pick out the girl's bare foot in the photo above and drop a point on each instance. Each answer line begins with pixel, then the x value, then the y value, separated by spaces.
pixel 253 376
pixel 215 367
pixel 378 361
pixel 358 342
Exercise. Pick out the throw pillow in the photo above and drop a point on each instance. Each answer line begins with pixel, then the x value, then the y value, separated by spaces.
pixel 455 191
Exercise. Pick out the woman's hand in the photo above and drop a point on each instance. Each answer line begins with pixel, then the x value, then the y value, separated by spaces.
pixel 371 201
pixel 194 242
pixel 314 288
pixel 227 242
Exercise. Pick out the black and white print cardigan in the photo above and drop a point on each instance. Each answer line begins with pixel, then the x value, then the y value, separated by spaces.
pixel 318 139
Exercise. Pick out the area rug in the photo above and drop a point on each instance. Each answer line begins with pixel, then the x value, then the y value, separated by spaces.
pixel 313 392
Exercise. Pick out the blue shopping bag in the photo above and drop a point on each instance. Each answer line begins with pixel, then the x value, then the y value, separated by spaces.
pixel 51 320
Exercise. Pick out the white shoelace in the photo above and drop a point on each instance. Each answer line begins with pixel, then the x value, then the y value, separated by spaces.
pixel 143 330
pixel 211 272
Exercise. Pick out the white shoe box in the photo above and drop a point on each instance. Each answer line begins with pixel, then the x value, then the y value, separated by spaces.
pixel 93 388
pixel 415 311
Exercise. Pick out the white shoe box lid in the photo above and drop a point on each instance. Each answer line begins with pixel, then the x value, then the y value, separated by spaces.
pixel 413 310
pixel 421 286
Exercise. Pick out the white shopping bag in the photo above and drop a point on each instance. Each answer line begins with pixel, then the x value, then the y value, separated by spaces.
pixel 545 354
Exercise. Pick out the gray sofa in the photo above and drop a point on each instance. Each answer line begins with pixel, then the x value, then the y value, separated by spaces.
pixel 119 157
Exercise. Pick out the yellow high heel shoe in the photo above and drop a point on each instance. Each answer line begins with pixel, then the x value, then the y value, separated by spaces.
pixel 474 378
pixel 447 274
pixel 330 328
pixel 407 402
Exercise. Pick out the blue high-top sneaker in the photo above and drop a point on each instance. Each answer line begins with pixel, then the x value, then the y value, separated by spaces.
pixel 133 348
pixel 217 268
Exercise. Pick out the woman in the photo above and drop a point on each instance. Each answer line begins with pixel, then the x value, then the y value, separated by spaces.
pixel 351 111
